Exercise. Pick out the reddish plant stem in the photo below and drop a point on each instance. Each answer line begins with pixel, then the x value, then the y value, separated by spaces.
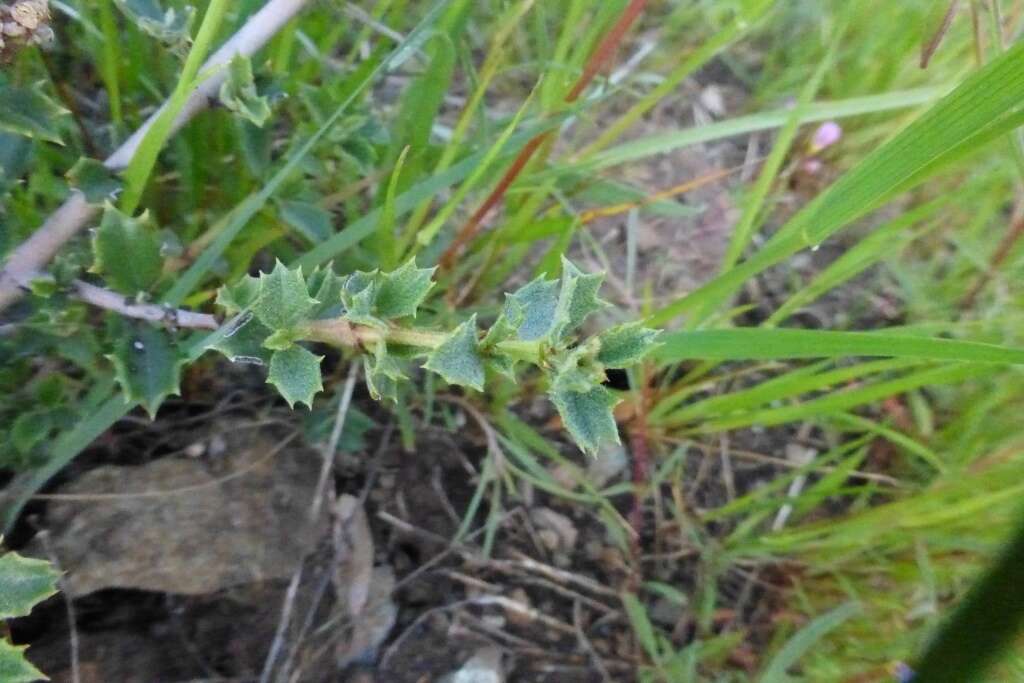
pixel 639 445
pixel 999 256
pixel 598 59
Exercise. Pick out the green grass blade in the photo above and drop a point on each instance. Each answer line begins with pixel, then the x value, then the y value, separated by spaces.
pixel 141 165
pixel 778 344
pixel 804 640
pixel 664 143
pixel 985 623
pixel 938 135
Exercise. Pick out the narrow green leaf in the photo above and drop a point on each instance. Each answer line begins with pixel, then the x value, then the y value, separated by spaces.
pixel 14 668
pixel 29 112
pixel 983 98
pixel 127 251
pixel 625 345
pixel 804 640
pixel 24 583
pixel 587 415
pixel 284 299
pixel 147 365
pixel 642 626
pixel 296 374
pixel 30 429
pixel 310 220
pixel 768 344
pixel 97 182
pixel 403 290
pixel 458 359
pixel 238 92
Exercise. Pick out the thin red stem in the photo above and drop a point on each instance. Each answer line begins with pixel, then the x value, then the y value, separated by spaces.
pixel 598 60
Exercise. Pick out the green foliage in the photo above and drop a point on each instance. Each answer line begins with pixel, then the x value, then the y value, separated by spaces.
pixel 97 182
pixel 170 25
pixel 457 359
pixel 536 325
pixel 30 112
pixel 238 92
pixel 127 251
pixel 24 583
pixel 295 372
pixel 147 364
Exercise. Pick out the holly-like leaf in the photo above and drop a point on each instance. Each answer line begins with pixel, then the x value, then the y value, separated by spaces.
pixel 171 25
pixel 624 345
pixel 245 344
pixel 458 358
pixel 14 668
pixel 284 300
pixel 127 251
pixel 238 92
pixel 535 304
pixel 239 296
pixel 587 415
pixel 383 373
pixel 147 365
pixel 403 290
pixel 325 286
pixel 30 112
pixel 507 325
pixel 359 294
pixel 296 374
pixel 24 582
pixel 577 299
pixel 97 182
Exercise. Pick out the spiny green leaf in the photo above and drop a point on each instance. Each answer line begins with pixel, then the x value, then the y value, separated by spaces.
pixel 577 299
pixel 171 26
pixel 29 112
pixel 238 92
pixel 97 182
pixel 127 251
pixel 383 373
pixel 325 286
pixel 147 365
pixel 284 300
pixel 296 374
pixel 458 359
pixel 358 295
pixel 246 343
pixel 279 340
pixel 24 582
pixel 14 668
pixel 587 415
pixel 234 298
pixel 403 290
pixel 535 304
pixel 506 327
pixel 624 345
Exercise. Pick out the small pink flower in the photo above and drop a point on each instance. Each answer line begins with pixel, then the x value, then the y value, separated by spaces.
pixel 828 134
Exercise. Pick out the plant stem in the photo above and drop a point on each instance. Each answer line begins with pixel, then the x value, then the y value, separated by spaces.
pixel 342 333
